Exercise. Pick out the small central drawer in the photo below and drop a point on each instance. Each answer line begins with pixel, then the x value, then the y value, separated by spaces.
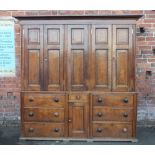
pixel 55 100
pixel 44 129
pixel 112 114
pixel 112 130
pixel 78 97
pixel 44 114
pixel 113 99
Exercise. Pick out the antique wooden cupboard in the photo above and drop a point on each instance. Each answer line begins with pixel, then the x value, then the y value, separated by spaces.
pixel 78 78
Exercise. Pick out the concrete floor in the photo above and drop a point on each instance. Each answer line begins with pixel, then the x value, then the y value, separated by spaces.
pixel 10 136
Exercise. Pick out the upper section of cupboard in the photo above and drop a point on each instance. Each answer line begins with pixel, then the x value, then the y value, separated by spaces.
pixel 78 55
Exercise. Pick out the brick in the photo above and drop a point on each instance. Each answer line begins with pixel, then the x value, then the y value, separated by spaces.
pixel 70 12
pixel 150 38
pixel 91 12
pixel 44 13
pixel 152 64
pixel 18 13
pixel 5 13
pixel 105 12
pixel 31 13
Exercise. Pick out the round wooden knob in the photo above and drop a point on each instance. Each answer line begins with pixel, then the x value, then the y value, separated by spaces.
pixel 125 129
pixel 69 120
pixel 31 114
pixel 56 99
pixel 56 114
pixel 125 114
pixel 31 129
pixel 99 130
pixel 99 99
pixel 125 100
pixel 99 114
pixel 31 99
pixel 56 130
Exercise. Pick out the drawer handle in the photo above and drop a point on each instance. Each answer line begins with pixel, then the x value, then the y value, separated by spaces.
pixel 99 100
pixel 56 99
pixel 77 97
pixel 99 130
pixel 99 114
pixel 31 114
pixel 125 100
pixel 56 114
pixel 31 129
pixel 125 114
pixel 31 99
pixel 56 130
pixel 125 130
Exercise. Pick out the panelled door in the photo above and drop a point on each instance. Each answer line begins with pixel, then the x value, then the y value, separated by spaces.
pixel 53 57
pixel 33 57
pixel 78 119
pixel 122 68
pixel 77 57
pixel 101 57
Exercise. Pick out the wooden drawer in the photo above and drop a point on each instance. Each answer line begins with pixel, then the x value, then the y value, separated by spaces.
pixel 78 97
pixel 112 114
pixel 113 100
pixel 44 114
pixel 112 130
pixel 44 129
pixel 55 100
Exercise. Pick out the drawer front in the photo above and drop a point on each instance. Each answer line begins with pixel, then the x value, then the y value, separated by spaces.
pixel 79 97
pixel 44 114
pixel 55 100
pixel 44 129
pixel 112 114
pixel 113 100
pixel 112 130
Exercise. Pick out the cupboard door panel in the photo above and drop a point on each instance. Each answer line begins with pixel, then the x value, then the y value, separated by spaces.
pixel 123 64
pixel 77 57
pixel 33 57
pixel 101 58
pixel 53 56
pixel 78 119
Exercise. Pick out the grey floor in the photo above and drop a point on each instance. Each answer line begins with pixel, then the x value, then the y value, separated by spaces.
pixel 10 136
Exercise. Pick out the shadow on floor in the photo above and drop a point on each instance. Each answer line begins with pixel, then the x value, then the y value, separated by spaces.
pixel 10 136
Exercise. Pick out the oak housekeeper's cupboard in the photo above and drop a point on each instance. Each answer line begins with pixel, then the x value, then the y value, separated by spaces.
pixel 78 78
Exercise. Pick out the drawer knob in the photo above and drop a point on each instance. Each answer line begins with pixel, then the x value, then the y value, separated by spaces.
pixel 125 114
pixel 69 120
pixel 56 99
pixel 31 114
pixel 56 130
pixel 56 114
pixel 31 99
pixel 77 97
pixel 99 130
pixel 31 129
pixel 125 100
pixel 99 114
pixel 125 130
pixel 99 99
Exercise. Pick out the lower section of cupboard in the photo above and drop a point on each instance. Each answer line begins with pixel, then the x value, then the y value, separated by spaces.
pixel 75 115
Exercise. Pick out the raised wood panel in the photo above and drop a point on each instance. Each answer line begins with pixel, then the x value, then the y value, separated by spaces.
pixel 123 64
pixel 32 57
pixel 34 67
pixel 100 72
pixel 54 57
pixel 101 67
pixel 78 68
pixel 33 35
pixel 53 36
pixel 122 68
pixel 101 35
pixel 77 57
pixel 122 36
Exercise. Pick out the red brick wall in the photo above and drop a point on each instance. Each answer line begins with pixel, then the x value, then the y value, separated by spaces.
pixel 145 60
